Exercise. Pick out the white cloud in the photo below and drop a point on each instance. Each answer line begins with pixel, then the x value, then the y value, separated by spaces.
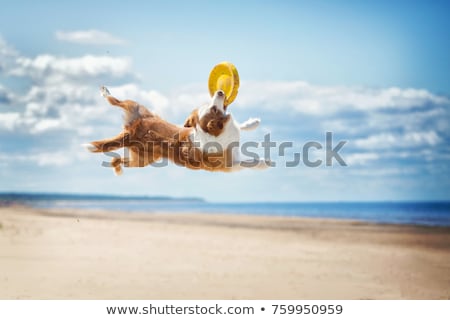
pixel 9 120
pixel 49 68
pixel 47 124
pixel 152 99
pixel 90 37
pixel 327 100
pixel 7 55
pixel 406 140
pixel 64 92
pixel 42 159
pixel 361 158
pixel 6 50
pixel 45 68
pixel 53 107
pixel 380 172
pixel 53 159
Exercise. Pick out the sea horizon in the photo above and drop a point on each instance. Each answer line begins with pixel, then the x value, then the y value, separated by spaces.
pixel 74 195
pixel 425 213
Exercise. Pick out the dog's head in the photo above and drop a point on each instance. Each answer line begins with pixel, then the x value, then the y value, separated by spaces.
pixel 210 118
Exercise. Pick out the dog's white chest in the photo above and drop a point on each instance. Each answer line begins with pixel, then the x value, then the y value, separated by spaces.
pixel 229 138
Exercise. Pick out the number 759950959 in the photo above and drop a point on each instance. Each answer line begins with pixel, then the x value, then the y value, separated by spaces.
pixel 307 309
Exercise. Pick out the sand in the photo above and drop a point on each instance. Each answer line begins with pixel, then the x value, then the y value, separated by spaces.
pixel 54 254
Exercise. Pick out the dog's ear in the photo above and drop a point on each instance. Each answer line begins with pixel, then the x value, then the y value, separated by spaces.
pixel 192 120
pixel 215 126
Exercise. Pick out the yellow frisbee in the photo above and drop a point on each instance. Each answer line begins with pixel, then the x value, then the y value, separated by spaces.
pixel 225 77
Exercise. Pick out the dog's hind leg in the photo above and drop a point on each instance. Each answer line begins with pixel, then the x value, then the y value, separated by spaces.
pixel 135 158
pixel 106 145
pixel 116 164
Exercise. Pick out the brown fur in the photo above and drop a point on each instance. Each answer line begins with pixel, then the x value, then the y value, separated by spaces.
pixel 213 122
pixel 150 138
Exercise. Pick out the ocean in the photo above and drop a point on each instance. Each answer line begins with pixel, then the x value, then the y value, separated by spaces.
pixel 412 213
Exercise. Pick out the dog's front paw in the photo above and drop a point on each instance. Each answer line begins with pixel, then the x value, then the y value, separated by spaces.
pixel 255 121
pixel 104 91
pixel 250 124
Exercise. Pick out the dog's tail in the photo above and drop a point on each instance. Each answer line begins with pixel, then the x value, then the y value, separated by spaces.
pixel 126 105
pixel 133 110
pixel 250 124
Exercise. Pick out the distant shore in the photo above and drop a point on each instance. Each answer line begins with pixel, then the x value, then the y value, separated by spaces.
pixel 77 254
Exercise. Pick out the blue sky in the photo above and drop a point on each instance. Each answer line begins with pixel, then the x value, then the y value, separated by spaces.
pixel 376 75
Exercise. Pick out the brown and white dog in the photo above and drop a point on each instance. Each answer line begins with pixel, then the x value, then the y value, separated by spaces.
pixel 209 139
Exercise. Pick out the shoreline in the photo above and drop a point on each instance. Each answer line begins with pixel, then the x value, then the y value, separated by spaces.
pixel 98 254
pixel 89 213
pixel 216 218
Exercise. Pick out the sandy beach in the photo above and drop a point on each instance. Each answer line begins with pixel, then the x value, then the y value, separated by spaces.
pixel 71 254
